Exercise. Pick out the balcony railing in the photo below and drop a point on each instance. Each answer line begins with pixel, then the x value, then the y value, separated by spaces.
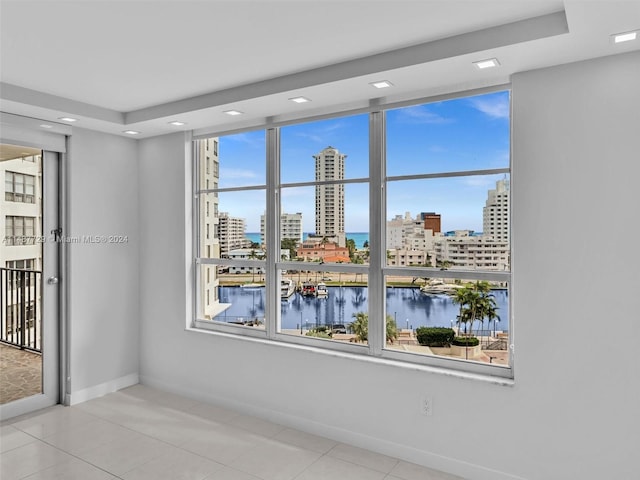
pixel 20 312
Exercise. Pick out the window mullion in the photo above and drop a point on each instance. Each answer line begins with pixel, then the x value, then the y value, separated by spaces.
pixel 376 334
pixel 195 226
pixel 272 234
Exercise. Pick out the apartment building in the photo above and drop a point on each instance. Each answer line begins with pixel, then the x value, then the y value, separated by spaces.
pixel 231 232
pixel 495 214
pixel 330 198
pixel 481 252
pixel 290 227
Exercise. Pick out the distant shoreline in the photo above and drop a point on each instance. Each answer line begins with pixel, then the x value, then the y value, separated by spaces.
pixel 358 237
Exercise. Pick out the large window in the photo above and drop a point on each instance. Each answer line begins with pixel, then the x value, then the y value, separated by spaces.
pixel 384 233
pixel 19 230
pixel 19 187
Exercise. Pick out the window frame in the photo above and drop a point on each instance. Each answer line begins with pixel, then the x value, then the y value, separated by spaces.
pixel 377 270
pixel 15 179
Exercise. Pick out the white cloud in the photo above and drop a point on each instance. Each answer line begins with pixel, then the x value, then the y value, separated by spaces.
pixel 323 133
pixel 421 114
pixel 494 107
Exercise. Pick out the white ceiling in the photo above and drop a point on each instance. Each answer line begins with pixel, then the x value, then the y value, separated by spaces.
pixel 118 65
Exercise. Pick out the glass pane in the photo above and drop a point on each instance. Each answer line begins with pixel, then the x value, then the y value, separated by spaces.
pixel 455 135
pixel 232 161
pixel 224 297
pixel 19 183
pixel 20 300
pixel 458 222
pixel 230 224
pixel 326 305
pixel 331 149
pixel 428 321
pixel 335 223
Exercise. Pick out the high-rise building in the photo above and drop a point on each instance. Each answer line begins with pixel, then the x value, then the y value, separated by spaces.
pixel 231 233
pixel 330 198
pixel 290 227
pixel 495 214
pixel 209 162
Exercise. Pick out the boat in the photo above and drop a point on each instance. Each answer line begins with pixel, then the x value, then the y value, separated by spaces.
pixel 308 289
pixel 287 287
pixel 321 290
pixel 438 287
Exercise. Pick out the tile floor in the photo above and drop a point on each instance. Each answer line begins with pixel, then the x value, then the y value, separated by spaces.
pixel 20 373
pixel 144 434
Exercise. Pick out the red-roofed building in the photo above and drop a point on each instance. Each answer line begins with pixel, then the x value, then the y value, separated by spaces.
pixel 311 251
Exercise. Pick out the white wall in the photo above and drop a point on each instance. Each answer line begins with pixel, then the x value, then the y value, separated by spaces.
pixel 104 283
pixel 572 412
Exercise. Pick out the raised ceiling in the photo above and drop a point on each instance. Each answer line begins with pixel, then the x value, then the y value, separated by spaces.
pixel 137 65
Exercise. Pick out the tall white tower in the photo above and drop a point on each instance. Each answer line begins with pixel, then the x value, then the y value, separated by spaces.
pixel 495 214
pixel 207 151
pixel 330 198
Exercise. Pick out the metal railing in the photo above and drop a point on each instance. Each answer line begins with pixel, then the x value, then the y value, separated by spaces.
pixel 20 308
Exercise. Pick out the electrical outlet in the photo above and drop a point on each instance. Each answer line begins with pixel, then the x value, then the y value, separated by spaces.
pixel 426 406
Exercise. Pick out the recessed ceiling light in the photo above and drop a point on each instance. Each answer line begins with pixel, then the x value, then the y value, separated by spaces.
pixel 68 119
pixel 177 124
pixel 624 37
pixel 44 125
pixel 233 112
pixel 382 84
pixel 300 99
pixel 131 132
pixel 488 63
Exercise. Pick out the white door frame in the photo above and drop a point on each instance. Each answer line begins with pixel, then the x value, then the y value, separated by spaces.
pixel 53 293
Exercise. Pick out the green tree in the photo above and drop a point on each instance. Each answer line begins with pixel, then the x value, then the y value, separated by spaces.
pixel 392 329
pixel 476 303
pixel 291 244
pixel 351 245
pixel 360 326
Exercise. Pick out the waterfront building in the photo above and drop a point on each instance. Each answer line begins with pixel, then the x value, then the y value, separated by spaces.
pixel 290 227
pixel 315 250
pixel 251 254
pixel 464 250
pixel 406 258
pixel 231 231
pixel 495 214
pixel 330 198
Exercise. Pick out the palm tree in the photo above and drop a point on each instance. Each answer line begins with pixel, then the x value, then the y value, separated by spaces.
pixel 360 326
pixel 392 329
pixel 252 256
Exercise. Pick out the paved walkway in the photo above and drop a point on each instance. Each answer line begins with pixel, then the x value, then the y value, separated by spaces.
pixel 20 373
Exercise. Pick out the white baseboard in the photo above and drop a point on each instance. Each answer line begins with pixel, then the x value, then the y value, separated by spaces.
pixel 385 447
pixel 103 388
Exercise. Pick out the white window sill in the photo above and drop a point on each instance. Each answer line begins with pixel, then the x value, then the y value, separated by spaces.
pixel 495 380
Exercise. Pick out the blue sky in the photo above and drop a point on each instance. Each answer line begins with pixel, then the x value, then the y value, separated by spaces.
pixel 457 135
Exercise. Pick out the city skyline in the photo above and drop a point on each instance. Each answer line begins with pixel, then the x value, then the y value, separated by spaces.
pixel 464 134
